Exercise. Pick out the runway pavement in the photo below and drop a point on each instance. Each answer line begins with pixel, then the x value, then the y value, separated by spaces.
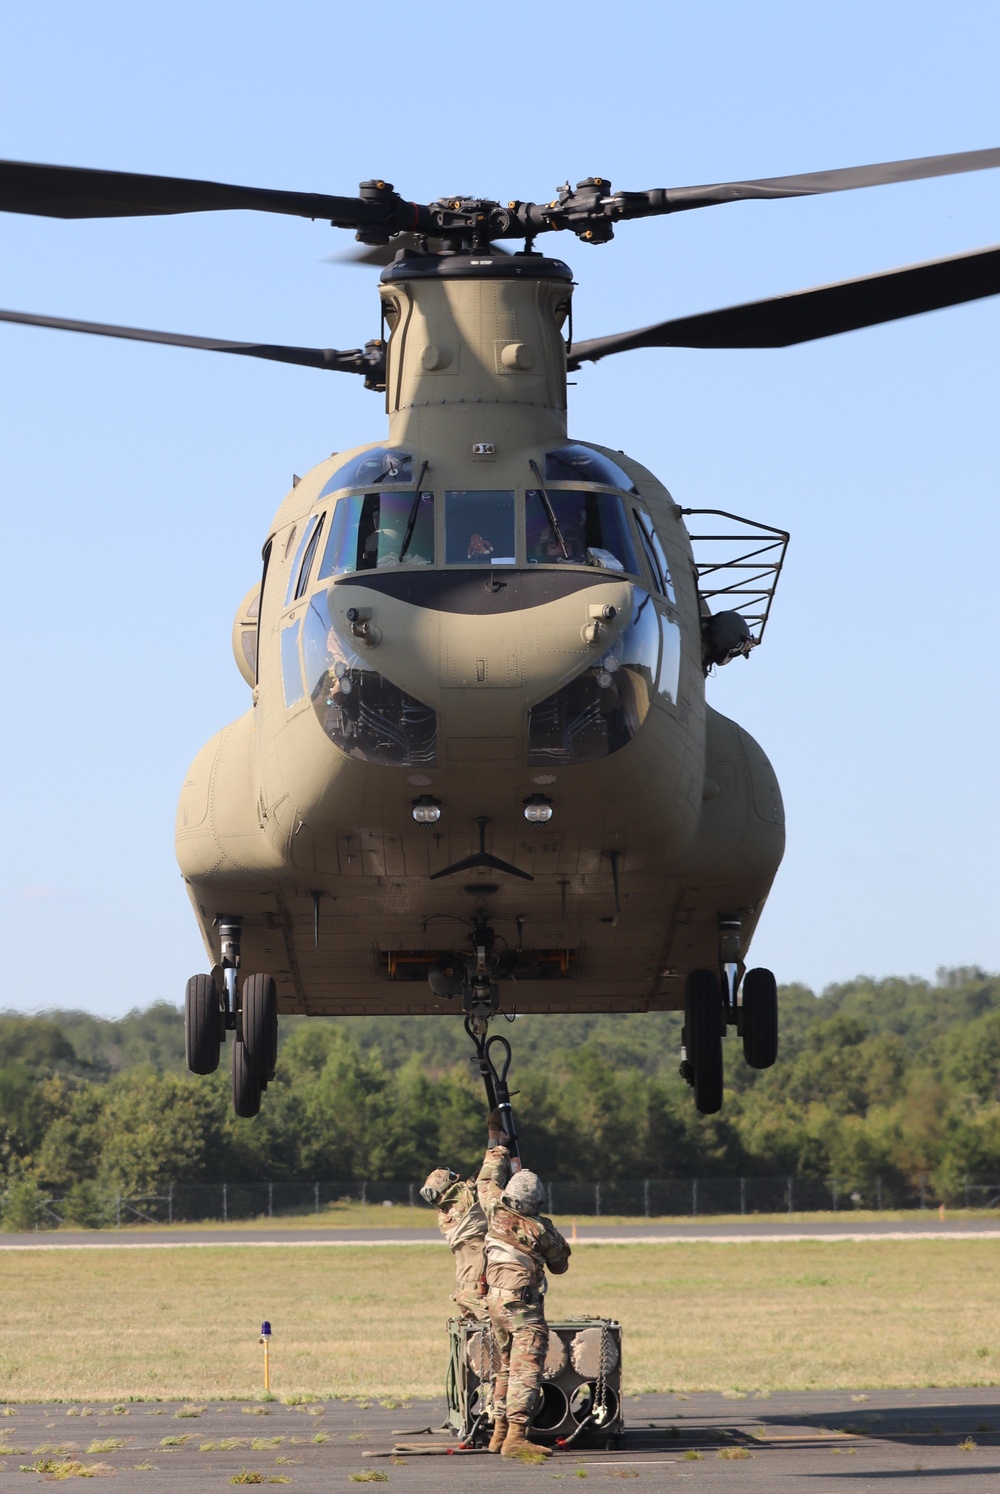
pixel 697 1231
pixel 822 1442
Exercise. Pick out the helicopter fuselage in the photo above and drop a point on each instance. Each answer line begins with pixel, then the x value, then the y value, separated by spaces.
pixel 478 636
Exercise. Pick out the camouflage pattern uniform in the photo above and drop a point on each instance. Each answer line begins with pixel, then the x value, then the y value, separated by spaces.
pixel 463 1224
pixel 518 1249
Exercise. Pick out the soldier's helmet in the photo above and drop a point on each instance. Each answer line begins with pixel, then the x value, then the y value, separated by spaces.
pixel 524 1192
pixel 437 1185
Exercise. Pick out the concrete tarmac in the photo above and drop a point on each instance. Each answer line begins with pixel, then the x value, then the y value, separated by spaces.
pixel 825 1442
pixel 635 1232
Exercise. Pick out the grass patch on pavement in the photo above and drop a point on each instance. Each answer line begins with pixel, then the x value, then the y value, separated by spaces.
pixel 183 1324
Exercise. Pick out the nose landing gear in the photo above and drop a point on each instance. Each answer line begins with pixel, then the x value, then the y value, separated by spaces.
pixel 217 1003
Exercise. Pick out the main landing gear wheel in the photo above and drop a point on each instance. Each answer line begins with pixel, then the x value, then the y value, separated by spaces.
pixel 246 1083
pixel 202 1025
pixel 703 1019
pixel 759 1022
pixel 259 1002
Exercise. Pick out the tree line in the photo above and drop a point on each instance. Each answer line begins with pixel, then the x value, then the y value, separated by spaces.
pixel 897 1078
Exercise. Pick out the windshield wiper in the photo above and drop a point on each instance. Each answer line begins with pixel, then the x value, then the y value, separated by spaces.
pixel 411 522
pixel 549 509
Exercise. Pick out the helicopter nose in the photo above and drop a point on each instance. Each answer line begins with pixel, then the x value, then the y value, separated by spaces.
pixel 534 648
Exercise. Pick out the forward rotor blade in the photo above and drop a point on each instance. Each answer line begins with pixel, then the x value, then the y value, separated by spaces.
pixel 680 199
pixel 803 316
pixel 79 192
pixel 353 361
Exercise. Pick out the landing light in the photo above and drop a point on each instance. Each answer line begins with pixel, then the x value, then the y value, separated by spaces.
pixel 426 810
pixel 538 810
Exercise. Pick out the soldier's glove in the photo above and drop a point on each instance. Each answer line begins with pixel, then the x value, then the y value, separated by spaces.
pixel 496 1127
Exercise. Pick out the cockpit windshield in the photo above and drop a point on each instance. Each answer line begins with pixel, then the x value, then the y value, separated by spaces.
pixel 575 463
pixel 374 530
pixel 578 528
pixel 480 527
pixel 376 468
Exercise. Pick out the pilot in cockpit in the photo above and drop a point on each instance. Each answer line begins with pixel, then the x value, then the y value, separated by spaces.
pixel 550 549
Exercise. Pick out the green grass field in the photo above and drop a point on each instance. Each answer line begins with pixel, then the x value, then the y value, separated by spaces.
pixel 100 1325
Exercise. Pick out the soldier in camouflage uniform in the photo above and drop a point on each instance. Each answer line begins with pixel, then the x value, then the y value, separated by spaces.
pixel 463 1224
pixel 520 1243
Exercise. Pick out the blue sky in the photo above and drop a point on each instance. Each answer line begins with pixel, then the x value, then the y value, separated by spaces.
pixel 137 483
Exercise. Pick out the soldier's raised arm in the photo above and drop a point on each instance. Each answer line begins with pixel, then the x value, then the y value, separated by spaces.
pixel 554 1249
pixel 495 1171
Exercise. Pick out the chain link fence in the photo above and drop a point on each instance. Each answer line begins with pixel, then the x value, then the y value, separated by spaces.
pixel 369 1204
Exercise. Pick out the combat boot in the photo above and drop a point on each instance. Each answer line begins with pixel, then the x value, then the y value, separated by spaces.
pixel 516 1445
pixel 499 1433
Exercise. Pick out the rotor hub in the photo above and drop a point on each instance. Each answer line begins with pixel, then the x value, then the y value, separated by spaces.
pixel 466 265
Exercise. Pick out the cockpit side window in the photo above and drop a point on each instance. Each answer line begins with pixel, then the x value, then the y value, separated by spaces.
pixel 656 555
pixel 260 599
pixel 590 529
pixel 307 560
pixel 293 574
pixel 651 560
pixel 370 531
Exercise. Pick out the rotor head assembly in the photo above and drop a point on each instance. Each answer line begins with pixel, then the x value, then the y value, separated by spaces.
pixel 389 227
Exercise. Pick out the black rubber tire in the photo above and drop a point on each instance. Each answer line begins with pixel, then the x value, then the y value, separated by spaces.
pixel 202 1025
pixel 760 1019
pixel 259 1002
pixel 703 1018
pixel 246 1084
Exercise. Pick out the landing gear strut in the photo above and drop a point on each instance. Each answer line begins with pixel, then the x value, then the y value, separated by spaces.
pixel 711 1005
pixel 752 1010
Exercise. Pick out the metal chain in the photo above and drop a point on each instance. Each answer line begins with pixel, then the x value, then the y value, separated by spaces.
pixel 599 1407
pixel 487 1375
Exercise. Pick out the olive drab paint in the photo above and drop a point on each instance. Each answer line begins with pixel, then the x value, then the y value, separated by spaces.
pixel 297 818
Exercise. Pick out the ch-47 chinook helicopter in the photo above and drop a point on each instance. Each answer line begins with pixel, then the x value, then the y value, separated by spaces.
pixel 478 772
